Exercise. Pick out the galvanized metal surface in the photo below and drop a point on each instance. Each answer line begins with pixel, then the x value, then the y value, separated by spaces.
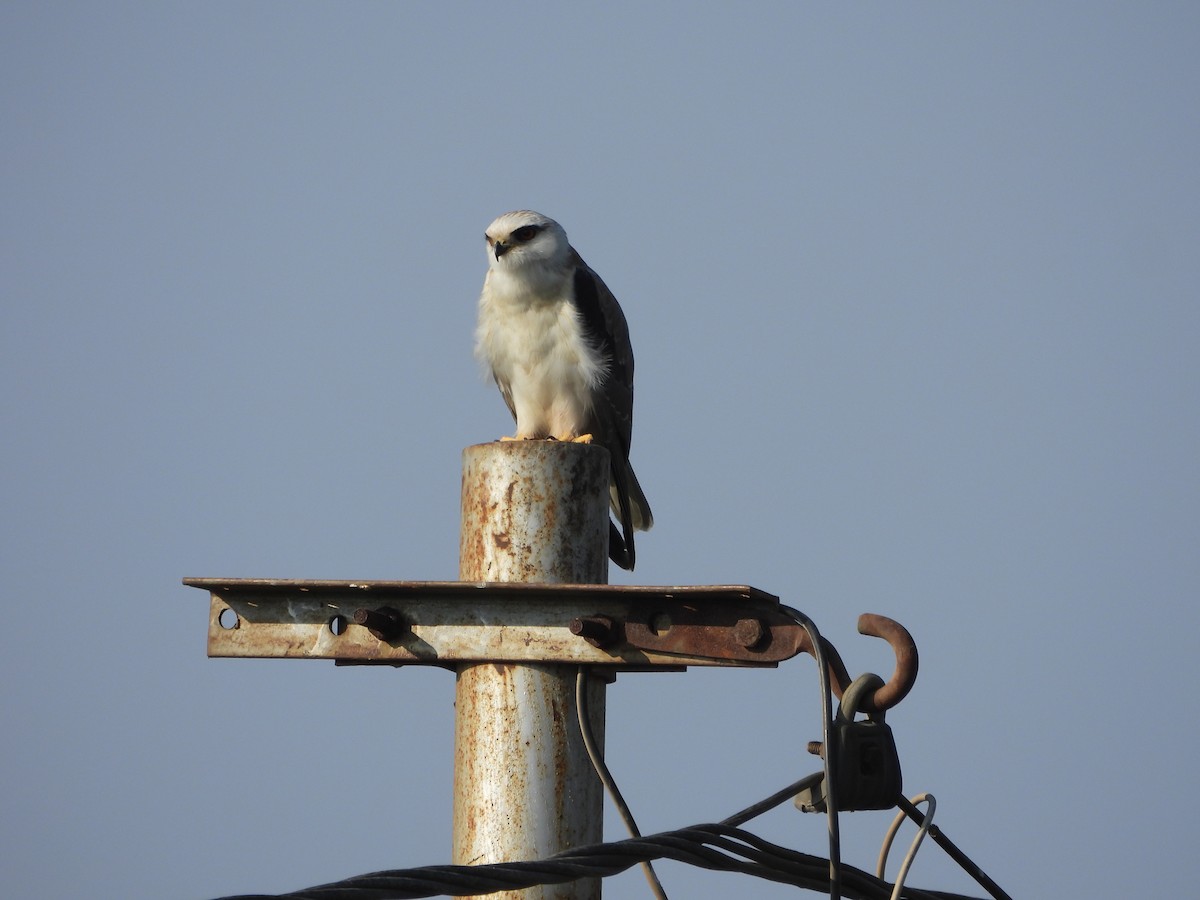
pixel 524 788
pixel 523 785
pixel 530 514
pixel 445 622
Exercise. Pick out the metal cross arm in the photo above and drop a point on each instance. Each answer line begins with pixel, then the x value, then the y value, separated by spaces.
pixel 451 622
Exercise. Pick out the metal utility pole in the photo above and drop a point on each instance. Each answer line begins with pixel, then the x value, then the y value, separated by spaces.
pixel 532 605
pixel 524 788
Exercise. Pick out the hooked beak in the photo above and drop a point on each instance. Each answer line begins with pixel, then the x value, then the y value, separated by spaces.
pixel 500 248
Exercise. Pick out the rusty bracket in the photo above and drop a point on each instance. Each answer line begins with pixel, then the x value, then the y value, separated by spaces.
pixel 448 622
pixel 415 622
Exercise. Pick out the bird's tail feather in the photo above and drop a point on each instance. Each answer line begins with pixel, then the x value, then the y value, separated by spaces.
pixel 632 510
pixel 618 551
pixel 639 507
pixel 643 519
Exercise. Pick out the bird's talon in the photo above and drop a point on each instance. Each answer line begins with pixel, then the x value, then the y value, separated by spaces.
pixel 582 439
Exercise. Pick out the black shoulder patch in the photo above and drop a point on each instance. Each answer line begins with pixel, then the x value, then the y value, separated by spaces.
pixel 595 327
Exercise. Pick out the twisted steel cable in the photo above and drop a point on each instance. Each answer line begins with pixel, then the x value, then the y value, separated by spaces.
pixel 712 846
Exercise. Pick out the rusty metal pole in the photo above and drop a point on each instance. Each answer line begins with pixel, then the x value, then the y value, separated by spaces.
pixel 532 511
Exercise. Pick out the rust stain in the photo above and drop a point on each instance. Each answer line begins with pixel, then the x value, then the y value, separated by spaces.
pixel 516 726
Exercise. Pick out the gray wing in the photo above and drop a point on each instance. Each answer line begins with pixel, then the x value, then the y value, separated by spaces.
pixel 605 327
pixel 612 414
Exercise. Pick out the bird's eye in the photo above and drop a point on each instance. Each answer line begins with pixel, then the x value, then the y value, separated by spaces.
pixel 526 232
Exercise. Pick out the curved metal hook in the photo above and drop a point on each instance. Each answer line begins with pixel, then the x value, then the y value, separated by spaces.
pixel 897 687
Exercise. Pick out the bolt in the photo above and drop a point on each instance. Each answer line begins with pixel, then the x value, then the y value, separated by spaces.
pixel 599 631
pixel 659 623
pixel 816 748
pixel 384 623
pixel 750 633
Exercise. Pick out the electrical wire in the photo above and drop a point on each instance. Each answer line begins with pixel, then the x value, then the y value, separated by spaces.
pixel 762 806
pixel 714 847
pixel 723 846
pixel 968 865
pixel 831 809
pixel 610 784
pixel 881 865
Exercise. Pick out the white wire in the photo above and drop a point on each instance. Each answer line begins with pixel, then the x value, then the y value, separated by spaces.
pixel 610 784
pixel 831 809
pixel 881 865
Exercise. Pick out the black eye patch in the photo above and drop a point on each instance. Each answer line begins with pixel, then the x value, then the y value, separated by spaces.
pixel 526 232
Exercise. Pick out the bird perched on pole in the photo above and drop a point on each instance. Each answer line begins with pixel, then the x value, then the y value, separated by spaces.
pixel 555 340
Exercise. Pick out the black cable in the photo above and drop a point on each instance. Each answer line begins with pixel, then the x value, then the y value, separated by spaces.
pixel 953 852
pixel 713 846
pixel 762 806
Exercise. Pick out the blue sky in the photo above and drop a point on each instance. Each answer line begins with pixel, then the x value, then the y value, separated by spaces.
pixel 912 294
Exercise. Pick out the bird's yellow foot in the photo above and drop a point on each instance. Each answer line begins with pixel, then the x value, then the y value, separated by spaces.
pixel 581 439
